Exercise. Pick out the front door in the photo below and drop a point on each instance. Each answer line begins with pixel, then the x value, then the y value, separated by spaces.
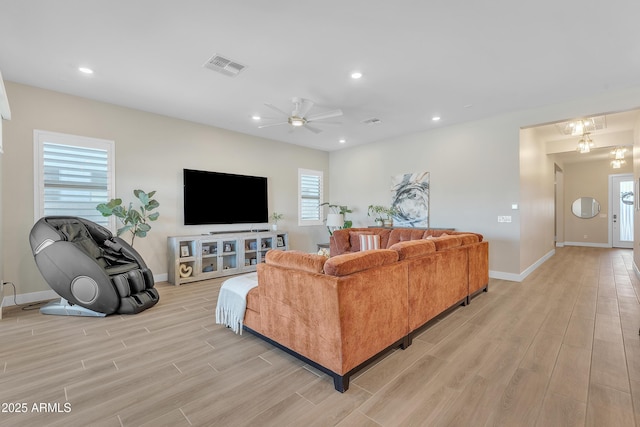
pixel 622 206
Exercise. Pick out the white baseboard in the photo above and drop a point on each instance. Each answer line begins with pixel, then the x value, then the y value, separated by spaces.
pixel 588 245
pixel 28 298
pixel 32 297
pixel 164 277
pixel 512 277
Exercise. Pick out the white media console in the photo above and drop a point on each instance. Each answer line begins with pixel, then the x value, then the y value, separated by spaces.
pixel 207 256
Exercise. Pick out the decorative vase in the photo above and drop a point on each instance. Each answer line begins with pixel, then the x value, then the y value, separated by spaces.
pixel 388 223
pixel 185 270
pixel 379 222
pixel 274 227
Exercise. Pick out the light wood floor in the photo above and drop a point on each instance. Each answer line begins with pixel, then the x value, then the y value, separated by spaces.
pixel 560 349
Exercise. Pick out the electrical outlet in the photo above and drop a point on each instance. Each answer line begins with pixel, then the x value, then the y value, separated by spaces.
pixel 505 218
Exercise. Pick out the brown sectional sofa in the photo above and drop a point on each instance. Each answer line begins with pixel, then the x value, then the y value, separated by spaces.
pixel 338 313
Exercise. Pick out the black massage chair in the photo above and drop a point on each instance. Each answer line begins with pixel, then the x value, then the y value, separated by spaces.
pixel 94 272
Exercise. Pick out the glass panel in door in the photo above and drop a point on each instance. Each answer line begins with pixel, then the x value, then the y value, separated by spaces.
pixel 622 212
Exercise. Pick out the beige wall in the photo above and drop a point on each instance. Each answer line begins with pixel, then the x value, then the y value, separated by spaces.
pixel 474 179
pixel 151 151
pixel 536 200
pixel 589 179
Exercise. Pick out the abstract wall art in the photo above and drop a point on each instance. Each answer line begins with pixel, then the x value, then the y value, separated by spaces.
pixel 410 198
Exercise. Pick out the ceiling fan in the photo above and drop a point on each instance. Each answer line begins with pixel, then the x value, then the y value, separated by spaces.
pixel 299 116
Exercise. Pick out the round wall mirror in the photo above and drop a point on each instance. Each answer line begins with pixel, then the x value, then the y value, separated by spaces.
pixel 585 207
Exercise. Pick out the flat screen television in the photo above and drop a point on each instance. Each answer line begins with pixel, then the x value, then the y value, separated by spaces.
pixel 224 198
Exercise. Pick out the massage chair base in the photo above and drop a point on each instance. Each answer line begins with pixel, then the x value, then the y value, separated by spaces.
pixel 62 307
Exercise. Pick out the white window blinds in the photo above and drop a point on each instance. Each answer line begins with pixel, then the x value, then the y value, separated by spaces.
pixel 74 175
pixel 310 197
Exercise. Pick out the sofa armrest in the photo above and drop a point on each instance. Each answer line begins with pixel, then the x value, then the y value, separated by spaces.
pixel 298 260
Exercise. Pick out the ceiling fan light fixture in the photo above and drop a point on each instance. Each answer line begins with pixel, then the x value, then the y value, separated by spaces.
pixel 297 121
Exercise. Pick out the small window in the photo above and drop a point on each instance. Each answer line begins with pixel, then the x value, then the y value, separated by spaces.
pixel 310 187
pixel 73 175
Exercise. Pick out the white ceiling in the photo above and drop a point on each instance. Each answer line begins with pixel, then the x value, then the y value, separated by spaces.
pixel 461 60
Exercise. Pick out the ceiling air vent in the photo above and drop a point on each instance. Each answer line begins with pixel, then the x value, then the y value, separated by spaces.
pixel 224 65
pixel 372 121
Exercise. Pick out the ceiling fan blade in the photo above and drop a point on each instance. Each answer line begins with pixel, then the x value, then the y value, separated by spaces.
pixel 322 116
pixel 324 123
pixel 274 108
pixel 312 129
pixel 272 124
pixel 305 107
pixel 301 106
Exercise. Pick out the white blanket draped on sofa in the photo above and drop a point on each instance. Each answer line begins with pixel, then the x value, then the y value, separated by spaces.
pixel 232 300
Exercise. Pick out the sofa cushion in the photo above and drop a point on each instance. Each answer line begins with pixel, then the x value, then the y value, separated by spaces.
pixel 468 239
pixel 437 232
pixel 404 234
pixel 298 260
pixel 445 242
pixel 345 264
pixel 413 248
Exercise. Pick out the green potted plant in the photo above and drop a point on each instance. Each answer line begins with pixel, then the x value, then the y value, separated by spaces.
pixel 378 213
pixel 390 213
pixel 275 217
pixel 135 221
pixel 382 215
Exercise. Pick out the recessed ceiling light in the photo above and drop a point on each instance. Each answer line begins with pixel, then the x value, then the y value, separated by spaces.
pixel 435 118
pixel 342 140
pixel 256 117
pixel 85 70
pixel 356 75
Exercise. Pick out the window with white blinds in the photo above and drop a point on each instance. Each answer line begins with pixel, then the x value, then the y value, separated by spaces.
pixel 310 197
pixel 73 175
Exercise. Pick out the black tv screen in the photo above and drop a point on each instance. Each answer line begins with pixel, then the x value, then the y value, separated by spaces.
pixel 223 198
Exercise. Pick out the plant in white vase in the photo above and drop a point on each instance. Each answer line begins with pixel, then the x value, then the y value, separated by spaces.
pixel 377 212
pixel 382 215
pixel 275 217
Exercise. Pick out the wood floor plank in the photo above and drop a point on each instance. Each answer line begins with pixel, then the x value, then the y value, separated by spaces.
pixel 521 401
pixel 570 377
pixel 609 407
pixel 561 411
pixel 609 365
